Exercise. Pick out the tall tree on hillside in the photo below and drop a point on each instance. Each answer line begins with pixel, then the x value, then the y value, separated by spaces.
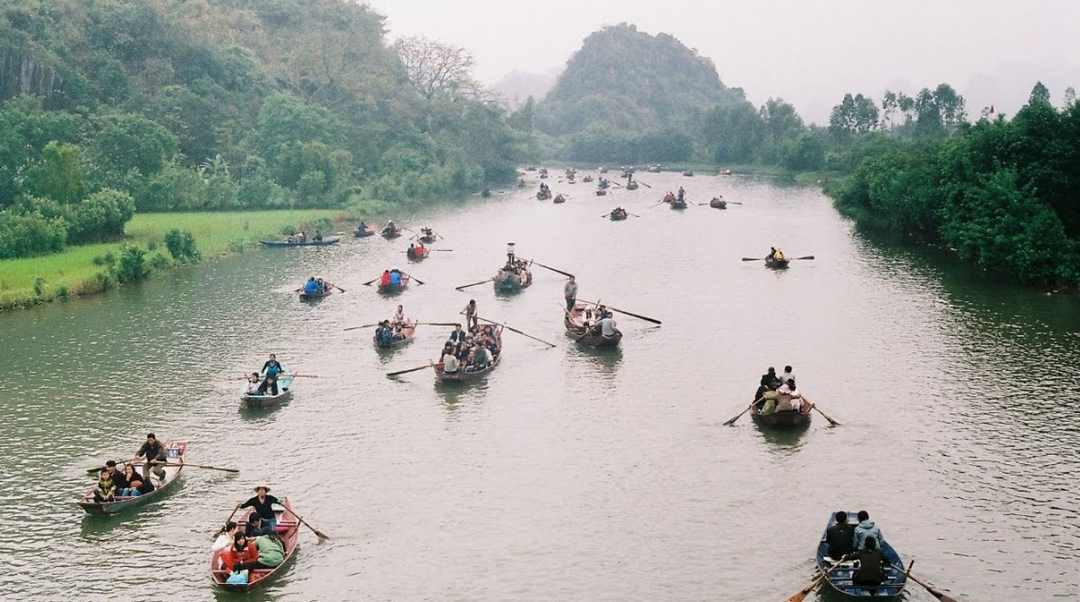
pixel 1070 97
pixel 1040 94
pixel 781 119
pixel 854 115
pixel 437 69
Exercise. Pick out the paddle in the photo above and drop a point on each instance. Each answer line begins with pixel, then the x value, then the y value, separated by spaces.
pixel 303 375
pixel 801 595
pixel 732 420
pixel 438 323
pixel 400 372
pixel 933 592
pixel 789 259
pixel 372 281
pixel 512 329
pixel 465 286
pixel 158 462
pixel 443 250
pixel 234 511
pixel 359 327
pixel 644 184
pixel 339 288
pixel 831 421
pixel 418 281
pixel 317 532
pixel 567 274
pixel 623 311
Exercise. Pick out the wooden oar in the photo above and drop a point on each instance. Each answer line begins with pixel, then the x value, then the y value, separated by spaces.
pixel 439 323
pixel 933 592
pixel 317 532
pixel 804 257
pixel 801 595
pixel 813 406
pixel 465 286
pixel 359 327
pixel 753 259
pixel 370 282
pixel 443 250
pixel 732 420
pixel 160 463
pixel 339 288
pixel 512 329
pixel 567 274
pixel 623 311
pixel 418 281
pixel 400 372
pixel 234 511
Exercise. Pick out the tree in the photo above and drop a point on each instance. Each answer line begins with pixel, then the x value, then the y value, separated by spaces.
pixel 59 175
pixel 437 69
pixel 780 118
pixel 1040 94
pixel 1070 96
pixel 854 115
pixel 522 119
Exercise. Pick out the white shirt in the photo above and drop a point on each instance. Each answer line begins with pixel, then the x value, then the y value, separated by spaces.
pixel 786 376
pixel 223 541
pixel 450 364
pixel 607 327
pixel 399 315
pixel 510 249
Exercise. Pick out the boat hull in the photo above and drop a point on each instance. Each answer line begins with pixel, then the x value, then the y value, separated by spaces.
pixel 781 420
pixel 512 283
pixel 175 451
pixel 288 529
pixel 409 331
pixel 285 393
pixel 309 243
pixel 574 321
pixel 774 264
pixel 840 578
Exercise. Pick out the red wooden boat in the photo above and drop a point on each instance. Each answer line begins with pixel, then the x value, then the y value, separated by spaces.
pixel 288 529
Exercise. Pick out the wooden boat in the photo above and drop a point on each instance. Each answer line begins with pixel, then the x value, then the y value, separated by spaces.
pixel 543 173
pixel 543 195
pixel 285 393
pixel 174 452
pixel 618 214
pixel 465 376
pixel 288 529
pixel 587 179
pixel 574 320
pixel 408 332
pixel 511 282
pixel 677 204
pixel 330 240
pixel 787 419
pixel 391 289
pixel 389 234
pixel 363 233
pixel 417 253
pixel 776 264
pixel 319 296
pixel 428 236
pixel 632 185
pixel 654 169
pixel 840 577
pixel 725 172
pixel 602 170
pixel 530 168
pixel 601 192
pixel 560 199
pixel 688 173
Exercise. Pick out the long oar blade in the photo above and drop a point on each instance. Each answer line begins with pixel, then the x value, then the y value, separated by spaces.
pixel 623 311
pixel 930 589
pixel 359 327
pixel 418 281
pixel 400 372
pixel 465 286
pixel 440 323
pixel 827 417
pixel 805 257
pixel 512 329
pixel 753 259
pixel 810 587
pixel 557 271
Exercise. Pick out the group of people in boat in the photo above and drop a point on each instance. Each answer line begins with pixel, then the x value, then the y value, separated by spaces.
pixel 390 278
pixel 389 331
pixel 266 379
pixel 519 267
pixel 317 287
pixel 302 237
pixel 779 393
pixel 126 481
pixel 416 249
pixel 775 255
pixel 470 350
pixel 545 190
pixel 679 197
pixel 861 542
pixel 257 546
pixel 390 229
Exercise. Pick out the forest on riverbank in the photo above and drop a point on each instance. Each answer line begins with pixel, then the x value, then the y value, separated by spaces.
pixel 111 107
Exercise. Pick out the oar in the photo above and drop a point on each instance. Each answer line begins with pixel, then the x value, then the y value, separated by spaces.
pixel 567 274
pixel 465 286
pixel 753 259
pixel 370 282
pixel 933 592
pixel 339 288
pixel 800 258
pixel 317 532
pixel 443 250
pixel 438 323
pixel 234 511
pixel 159 463
pixel 623 311
pixel 512 329
pixel 644 184
pixel 418 281
pixel 400 372
pixel 801 595
pixel 359 327
pixel 732 420
pixel 813 406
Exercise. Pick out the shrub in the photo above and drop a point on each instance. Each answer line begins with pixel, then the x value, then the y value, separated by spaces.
pixel 26 234
pixel 39 286
pixel 181 245
pixel 159 261
pixel 62 293
pixel 132 265
pixel 101 216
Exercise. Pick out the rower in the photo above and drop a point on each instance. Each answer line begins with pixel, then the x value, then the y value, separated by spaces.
pixel 412 250
pixel 450 362
pixel 399 315
pixel 263 504
pixel 270 371
pixel 384 280
pixel 311 287
pixel 362 227
pixel 395 277
pixel 871 569
pixel 570 293
pixel 787 374
pixel 471 318
pixel 607 326
pixel 154 452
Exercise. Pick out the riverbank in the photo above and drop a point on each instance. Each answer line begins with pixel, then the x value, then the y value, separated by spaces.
pixel 84 270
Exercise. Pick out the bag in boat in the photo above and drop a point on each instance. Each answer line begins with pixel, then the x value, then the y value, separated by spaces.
pixel 238 578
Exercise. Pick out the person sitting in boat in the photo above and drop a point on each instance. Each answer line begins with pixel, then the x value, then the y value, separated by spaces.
pixel 106 489
pixel 256 526
pixel 787 374
pixel 311 287
pixel 682 194
pixel 252 387
pixel 301 236
pixel 154 452
pixel 482 357
pixel 840 537
pixel 395 278
pixel 133 483
pixel 271 553
pixel 872 564
pixel 411 251
pixel 450 364
pixel 775 254
pixel 457 336
pixel 669 197
pixel 225 537
pixel 242 552
pixel 866 529
pixel 420 250
pixel 769 382
pixel 384 334
pixel 607 327
pixel 384 280
pixel 362 228
pixel 390 227
pixel 399 316
pixel 270 371
pixel 263 503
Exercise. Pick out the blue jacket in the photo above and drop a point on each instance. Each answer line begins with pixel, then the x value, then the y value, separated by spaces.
pixel 311 288
pixel 865 529
pixel 395 278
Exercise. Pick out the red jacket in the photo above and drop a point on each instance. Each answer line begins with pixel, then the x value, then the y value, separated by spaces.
pixel 230 557
pixel 385 280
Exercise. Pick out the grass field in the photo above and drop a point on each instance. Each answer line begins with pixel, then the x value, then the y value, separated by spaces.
pixel 73 272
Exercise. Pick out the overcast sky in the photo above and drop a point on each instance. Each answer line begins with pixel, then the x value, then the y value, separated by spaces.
pixel 807 51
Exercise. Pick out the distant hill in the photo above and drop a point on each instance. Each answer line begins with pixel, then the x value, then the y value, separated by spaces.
pixel 516 87
pixel 628 80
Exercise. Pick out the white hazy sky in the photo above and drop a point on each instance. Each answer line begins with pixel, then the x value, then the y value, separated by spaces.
pixel 807 51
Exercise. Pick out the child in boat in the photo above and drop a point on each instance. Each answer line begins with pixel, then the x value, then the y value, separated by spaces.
pixel 106 489
pixel 252 384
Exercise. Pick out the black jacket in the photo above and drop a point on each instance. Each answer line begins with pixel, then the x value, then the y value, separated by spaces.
pixel 870 568
pixel 841 540
pixel 265 510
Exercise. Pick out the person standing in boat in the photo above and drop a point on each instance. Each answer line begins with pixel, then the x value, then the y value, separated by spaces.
pixel 570 293
pixel 154 452
pixel 787 374
pixel 471 317
pixel 510 258
pixel 270 371
pixel 682 194
pixel 263 504
pixel 399 316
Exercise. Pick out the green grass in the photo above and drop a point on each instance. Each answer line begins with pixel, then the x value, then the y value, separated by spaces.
pixel 75 272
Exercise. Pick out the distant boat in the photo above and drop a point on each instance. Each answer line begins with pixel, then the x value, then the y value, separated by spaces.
pixel 332 240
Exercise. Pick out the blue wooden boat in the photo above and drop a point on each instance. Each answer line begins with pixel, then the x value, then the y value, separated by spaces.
pixel 255 401
pixel 506 281
pixel 840 576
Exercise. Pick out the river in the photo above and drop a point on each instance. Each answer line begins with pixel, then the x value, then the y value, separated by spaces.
pixel 568 474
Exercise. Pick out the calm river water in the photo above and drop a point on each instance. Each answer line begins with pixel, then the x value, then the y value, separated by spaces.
pixel 569 474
